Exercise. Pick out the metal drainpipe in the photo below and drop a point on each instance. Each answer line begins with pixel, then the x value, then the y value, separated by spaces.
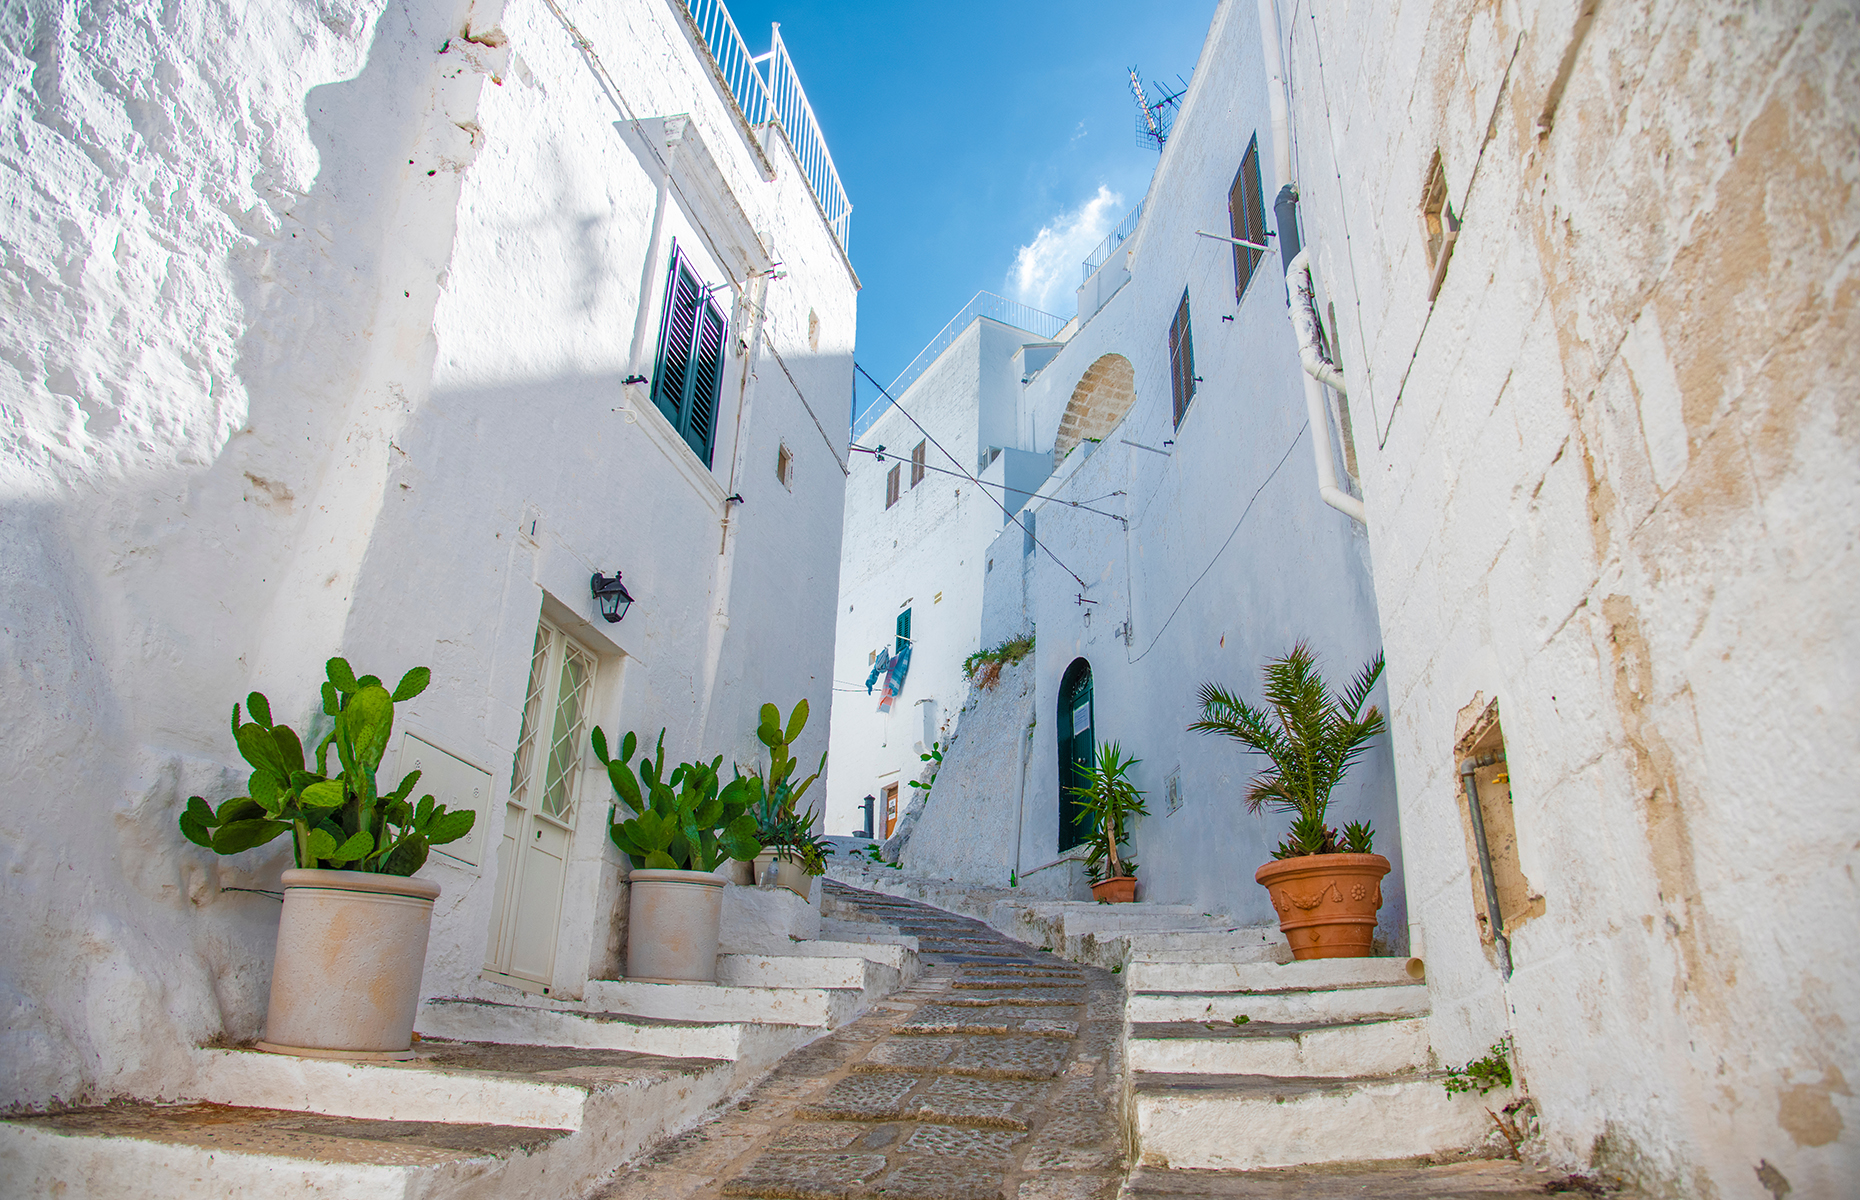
pixel 1467 768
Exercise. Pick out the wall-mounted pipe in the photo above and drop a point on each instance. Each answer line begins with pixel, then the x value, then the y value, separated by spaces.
pixel 1471 787
pixel 1303 293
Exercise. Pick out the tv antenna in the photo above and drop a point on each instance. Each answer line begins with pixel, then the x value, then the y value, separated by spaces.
pixel 1155 118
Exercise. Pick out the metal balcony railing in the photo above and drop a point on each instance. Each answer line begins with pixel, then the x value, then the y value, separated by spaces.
pixel 1097 258
pixel 984 304
pixel 766 88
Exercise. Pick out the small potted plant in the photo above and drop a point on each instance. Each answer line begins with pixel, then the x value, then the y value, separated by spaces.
pixel 1108 799
pixel 1326 888
pixel 791 853
pixel 352 937
pixel 681 828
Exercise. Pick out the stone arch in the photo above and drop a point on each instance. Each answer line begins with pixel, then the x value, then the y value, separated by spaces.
pixel 1103 395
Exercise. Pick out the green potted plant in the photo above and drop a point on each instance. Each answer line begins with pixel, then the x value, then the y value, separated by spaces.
pixel 681 828
pixel 791 854
pixel 1109 799
pixel 345 982
pixel 1325 887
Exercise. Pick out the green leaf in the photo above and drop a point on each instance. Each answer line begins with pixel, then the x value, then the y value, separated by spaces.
pixel 659 860
pixel 303 779
pixel 341 675
pixel 449 827
pixel 424 812
pixel 408 857
pixel 599 739
pixel 332 703
pixel 322 844
pixel 368 681
pixel 197 822
pixel 412 684
pixel 243 835
pixel 239 808
pixel 628 744
pixel 265 792
pixel 406 786
pixel 797 721
pixel 257 747
pixel 368 719
pixel 330 793
pixel 739 839
pixel 359 845
pixel 290 750
pixel 259 707
pixel 625 786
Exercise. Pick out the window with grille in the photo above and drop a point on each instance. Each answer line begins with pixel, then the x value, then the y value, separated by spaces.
pixel 554 725
pixel 1181 359
pixel 917 465
pixel 689 376
pixel 1246 211
pixel 891 487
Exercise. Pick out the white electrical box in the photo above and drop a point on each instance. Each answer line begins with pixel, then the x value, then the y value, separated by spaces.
pixel 453 782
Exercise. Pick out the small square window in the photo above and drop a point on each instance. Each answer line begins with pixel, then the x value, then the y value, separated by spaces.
pixel 917 465
pixel 784 466
pixel 1442 226
pixel 891 487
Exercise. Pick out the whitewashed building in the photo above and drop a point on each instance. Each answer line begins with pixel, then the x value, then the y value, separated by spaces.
pixel 1592 270
pixel 349 330
pixel 913 556
pixel 1180 538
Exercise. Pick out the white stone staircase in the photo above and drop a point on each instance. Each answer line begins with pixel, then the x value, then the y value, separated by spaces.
pixel 1248 1065
pixel 511 1095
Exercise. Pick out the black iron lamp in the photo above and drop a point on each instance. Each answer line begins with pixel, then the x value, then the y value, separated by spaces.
pixel 611 595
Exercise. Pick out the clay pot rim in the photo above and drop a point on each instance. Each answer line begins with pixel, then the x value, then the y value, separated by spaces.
pixel 1280 868
pixel 661 875
pixel 360 881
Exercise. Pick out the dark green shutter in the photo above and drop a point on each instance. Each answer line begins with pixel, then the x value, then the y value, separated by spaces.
pixel 689 376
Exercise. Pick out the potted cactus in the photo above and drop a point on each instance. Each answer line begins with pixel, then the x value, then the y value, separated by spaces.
pixel 352 937
pixel 792 855
pixel 1326 886
pixel 682 827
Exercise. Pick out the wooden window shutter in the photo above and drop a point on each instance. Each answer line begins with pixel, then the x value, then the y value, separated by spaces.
pixel 1181 359
pixel 689 375
pixel 891 487
pixel 1246 211
pixel 917 465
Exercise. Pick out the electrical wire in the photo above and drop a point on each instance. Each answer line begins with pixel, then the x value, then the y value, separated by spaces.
pixel 1230 537
pixel 1013 517
pixel 881 453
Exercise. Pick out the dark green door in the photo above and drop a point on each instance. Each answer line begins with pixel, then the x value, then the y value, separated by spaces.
pixel 1076 748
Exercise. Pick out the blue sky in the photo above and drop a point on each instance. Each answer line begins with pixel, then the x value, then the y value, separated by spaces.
pixel 983 145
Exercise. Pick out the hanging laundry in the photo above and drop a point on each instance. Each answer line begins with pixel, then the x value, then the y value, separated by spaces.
pixel 894 677
pixel 879 667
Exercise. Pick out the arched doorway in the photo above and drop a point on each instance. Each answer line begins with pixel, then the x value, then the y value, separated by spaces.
pixel 1076 750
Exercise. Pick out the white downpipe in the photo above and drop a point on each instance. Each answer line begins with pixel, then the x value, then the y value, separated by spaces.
pixel 1303 293
pixel 1303 323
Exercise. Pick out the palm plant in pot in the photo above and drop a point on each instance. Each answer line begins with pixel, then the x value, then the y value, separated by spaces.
pixel 352 937
pixel 682 827
pixel 1325 886
pixel 792 855
pixel 1109 799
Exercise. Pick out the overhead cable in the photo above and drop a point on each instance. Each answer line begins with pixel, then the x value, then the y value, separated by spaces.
pixel 881 453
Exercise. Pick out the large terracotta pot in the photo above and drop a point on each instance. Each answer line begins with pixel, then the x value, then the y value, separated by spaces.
pixel 671 926
pixel 346 979
pixel 1326 902
pixel 1118 889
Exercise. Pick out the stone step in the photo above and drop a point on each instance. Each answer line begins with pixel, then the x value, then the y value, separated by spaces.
pixel 896 951
pixel 816 1006
pixel 1246 944
pixel 1146 974
pixel 795 971
pixel 1262 1048
pixel 1242 1122
pixel 1400 1179
pixel 1297 1007
pixel 463 1121
pixel 467 1019
pixel 481 1083
pixel 873 932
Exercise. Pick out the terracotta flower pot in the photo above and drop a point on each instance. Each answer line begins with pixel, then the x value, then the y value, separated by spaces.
pixel 672 924
pixel 1327 903
pixel 346 979
pixel 1118 889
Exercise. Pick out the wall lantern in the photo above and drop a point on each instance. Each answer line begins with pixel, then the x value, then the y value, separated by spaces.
pixel 611 595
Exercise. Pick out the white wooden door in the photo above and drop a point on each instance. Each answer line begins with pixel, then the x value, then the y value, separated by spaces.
pixel 539 818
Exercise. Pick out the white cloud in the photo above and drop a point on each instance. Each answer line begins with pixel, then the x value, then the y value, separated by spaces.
pixel 1046 270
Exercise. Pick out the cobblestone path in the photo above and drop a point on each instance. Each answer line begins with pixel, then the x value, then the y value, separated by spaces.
pixel 994 1076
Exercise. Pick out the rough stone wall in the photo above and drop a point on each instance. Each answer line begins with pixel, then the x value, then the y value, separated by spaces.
pixel 317 315
pixel 1610 481
pixel 1103 395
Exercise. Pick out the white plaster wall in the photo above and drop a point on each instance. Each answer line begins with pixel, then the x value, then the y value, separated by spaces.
pixel 1230 557
pixel 1610 479
pixel 932 542
pixel 317 322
